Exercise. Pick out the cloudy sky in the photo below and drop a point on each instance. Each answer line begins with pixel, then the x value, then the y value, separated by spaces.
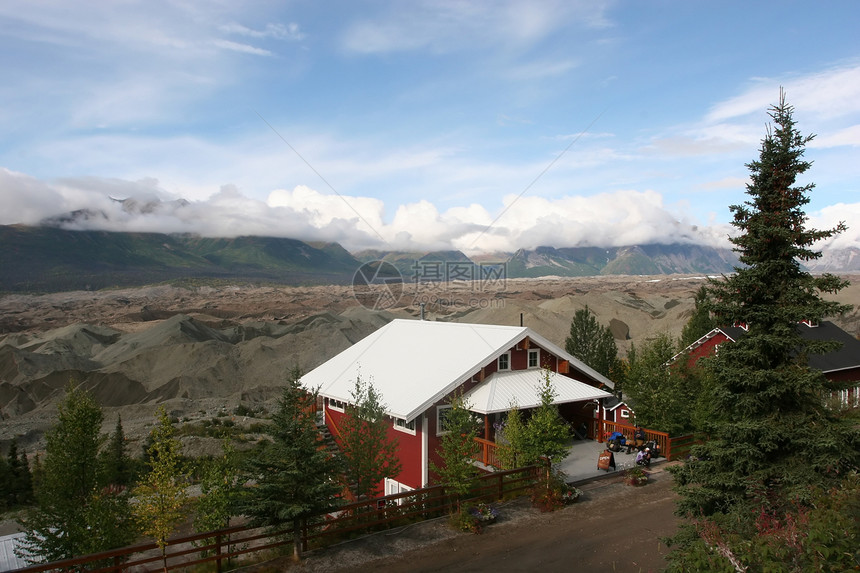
pixel 481 126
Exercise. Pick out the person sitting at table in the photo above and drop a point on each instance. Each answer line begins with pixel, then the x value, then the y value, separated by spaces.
pixel 639 437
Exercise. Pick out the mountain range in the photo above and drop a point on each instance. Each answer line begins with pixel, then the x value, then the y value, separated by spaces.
pixel 53 259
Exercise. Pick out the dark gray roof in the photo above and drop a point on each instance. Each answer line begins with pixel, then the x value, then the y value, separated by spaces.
pixel 847 356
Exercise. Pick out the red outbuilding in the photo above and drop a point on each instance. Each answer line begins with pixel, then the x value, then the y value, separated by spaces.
pixel 840 365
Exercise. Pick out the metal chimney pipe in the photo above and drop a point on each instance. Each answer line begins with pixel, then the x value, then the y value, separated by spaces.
pixel 521 319
pixel 422 310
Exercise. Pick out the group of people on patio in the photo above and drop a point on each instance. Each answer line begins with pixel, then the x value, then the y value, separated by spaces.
pixel 616 441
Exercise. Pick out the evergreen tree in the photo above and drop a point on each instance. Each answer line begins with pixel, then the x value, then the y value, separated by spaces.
pixel 370 455
pixel 546 434
pixel 295 476
pixel 664 396
pixel 76 514
pixel 5 484
pixel 23 481
pixel 771 439
pixel 220 488
pixel 592 343
pixel 16 479
pixel 700 322
pixel 115 461
pixel 457 449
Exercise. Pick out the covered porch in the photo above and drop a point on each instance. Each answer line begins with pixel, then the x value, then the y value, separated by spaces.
pixel 578 405
pixel 579 464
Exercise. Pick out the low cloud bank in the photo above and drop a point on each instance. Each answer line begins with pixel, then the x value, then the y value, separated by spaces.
pixel 604 220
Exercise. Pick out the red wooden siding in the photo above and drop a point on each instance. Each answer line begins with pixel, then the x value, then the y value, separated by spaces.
pixel 409 447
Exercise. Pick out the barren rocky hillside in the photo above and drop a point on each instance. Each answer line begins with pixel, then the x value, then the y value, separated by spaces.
pixel 204 350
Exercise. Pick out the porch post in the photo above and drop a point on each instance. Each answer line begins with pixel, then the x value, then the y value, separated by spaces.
pixel 486 426
pixel 599 421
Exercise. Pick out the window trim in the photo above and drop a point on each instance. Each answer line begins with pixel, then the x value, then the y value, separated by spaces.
pixel 405 427
pixel 337 405
pixel 625 413
pixel 439 409
pixel 507 355
pixel 533 352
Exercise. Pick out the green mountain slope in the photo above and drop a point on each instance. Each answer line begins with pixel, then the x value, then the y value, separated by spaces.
pixel 44 259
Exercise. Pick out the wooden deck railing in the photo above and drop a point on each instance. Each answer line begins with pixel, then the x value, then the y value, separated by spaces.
pixel 342 521
pixel 487 453
pixel 672 448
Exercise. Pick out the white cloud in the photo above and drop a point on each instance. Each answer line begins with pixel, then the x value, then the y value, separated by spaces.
pixel 278 31
pixel 829 94
pixel 612 219
pixel 448 26
pixel 689 146
pixel 243 48
pixel 830 216
pixel 365 213
pixel 726 183
pixel 620 218
pixel 850 136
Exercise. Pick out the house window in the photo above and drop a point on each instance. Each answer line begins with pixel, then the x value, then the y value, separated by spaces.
pixel 336 405
pixel 505 361
pixel 393 487
pixel 404 426
pixel 442 419
pixel 534 358
pixel 625 413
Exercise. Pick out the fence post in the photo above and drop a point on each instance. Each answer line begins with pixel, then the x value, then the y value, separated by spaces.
pixel 304 535
pixel 218 553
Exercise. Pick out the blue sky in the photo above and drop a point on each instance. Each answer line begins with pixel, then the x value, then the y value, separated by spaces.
pixel 482 126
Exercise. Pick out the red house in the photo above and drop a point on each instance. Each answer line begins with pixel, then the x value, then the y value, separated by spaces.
pixel 617 410
pixel 842 365
pixel 418 365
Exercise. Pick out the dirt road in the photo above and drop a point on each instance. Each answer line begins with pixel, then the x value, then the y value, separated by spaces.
pixel 615 527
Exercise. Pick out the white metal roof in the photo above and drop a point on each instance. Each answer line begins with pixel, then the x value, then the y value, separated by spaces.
pixel 501 390
pixel 8 560
pixel 414 363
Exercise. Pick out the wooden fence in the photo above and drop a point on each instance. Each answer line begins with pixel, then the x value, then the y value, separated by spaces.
pixel 340 523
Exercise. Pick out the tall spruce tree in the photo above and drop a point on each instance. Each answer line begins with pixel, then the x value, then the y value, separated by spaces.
pixel 17 483
pixel 115 461
pixel 294 477
pixel 771 440
pixel 370 455
pixel 76 513
pixel 592 343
